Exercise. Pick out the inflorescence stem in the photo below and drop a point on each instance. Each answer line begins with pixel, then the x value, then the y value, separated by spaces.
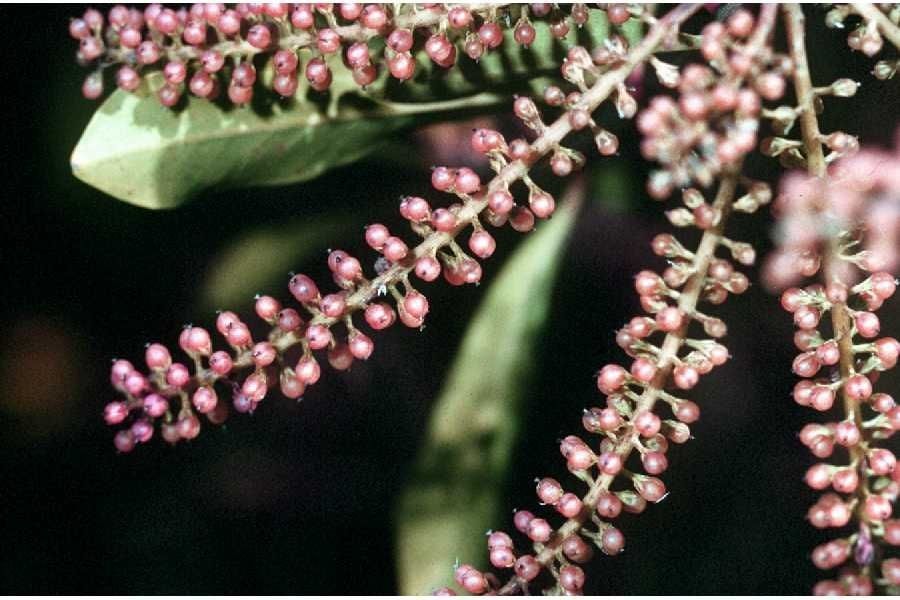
pixel 687 304
pixel 672 343
pixel 841 320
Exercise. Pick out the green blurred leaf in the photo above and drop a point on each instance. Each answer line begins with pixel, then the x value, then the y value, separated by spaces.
pixel 454 492
pixel 612 185
pixel 251 263
pixel 145 154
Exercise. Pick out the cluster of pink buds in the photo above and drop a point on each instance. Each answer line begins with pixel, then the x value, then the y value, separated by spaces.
pixel 666 360
pixel 286 355
pixel 714 122
pixel 626 422
pixel 879 22
pixel 861 191
pixel 862 475
pixel 208 47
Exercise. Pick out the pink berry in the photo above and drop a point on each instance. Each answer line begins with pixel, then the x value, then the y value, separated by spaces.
pixel 318 74
pixel 888 351
pixel 443 220
pixel 141 431
pixel 220 362
pixel 303 288
pixel 427 268
pixel 394 249
pixel 267 308
pixel 155 405
pixel 188 427
pixel 685 376
pixel 373 16
pixel 177 375
pixel 255 387
pixel 858 387
pixel 569 506
pixel 400 40
pixel 490 35
pixel 878 508
pixel 482 244
pixel 115 412
pixel 643 370
pixel 527 567
pixel 611 379
pixel 467 181
pixel 318 336
pixel 92 88
pixel 402 66
pixel 882 461
pixel 521 219
pixel 361 345
pixel 571 578
pixel 259 36
pixel 612 541
pixel 204 399
pixel 263 354
pixel 290 386
pixel 549 491
pixel 124 441
pixel 376 235
pixel 415 304
pixel 542 204
pixel 610 463
pixel 379 315
pixel 128 79
pixel 654 462
pixel 539 530
pixel 201 84
pixel 524 33
pixel 157 356
pixel 308 370
pixel 239 336
pixel 212 61
pixel 521 519
pixel 502 558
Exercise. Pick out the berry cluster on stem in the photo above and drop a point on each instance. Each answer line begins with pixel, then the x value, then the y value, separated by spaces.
pixel 170 392
pixel 840 369
pixel 210 46
pixel 629 421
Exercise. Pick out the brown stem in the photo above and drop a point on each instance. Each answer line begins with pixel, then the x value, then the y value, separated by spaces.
pixel 888 29
pixel 809 125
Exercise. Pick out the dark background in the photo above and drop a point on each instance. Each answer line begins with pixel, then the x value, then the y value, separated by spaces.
pixel 298 499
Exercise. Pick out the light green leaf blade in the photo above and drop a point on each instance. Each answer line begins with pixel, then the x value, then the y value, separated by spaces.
pixel 249 264
pixel 140 152
pixel 453 494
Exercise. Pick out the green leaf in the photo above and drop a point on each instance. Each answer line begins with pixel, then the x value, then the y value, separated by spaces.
pixel 256 259
pixel 151 156
pixel 453 494
pixel 140 152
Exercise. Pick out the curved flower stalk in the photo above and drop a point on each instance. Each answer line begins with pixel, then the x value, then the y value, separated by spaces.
pixel 842 356
pixel 668 355
pixel 287 354
pixel 209 46
pixel 879 22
